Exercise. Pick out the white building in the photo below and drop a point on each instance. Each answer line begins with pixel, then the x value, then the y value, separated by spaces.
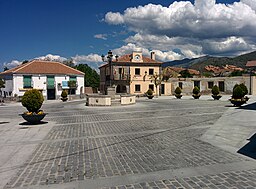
pixel 49 77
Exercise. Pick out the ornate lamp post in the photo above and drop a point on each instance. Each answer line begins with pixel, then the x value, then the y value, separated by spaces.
pixel 109 61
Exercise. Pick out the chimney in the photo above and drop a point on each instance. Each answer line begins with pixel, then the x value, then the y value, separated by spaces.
pixel 153 56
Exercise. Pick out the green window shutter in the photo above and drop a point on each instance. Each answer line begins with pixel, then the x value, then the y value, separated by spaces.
pixel 72 78
pixel 50 82
pixel 27 81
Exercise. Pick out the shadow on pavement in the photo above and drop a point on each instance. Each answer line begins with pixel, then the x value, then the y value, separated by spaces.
pixel 30 124
pixel 249 106
pixel 250 148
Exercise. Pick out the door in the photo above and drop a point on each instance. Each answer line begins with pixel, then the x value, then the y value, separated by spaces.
pixel 50 94
pixel 162 89
pixel 222 86
pixel 50 87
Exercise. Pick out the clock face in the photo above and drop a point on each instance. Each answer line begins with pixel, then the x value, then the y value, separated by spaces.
pixel 137 57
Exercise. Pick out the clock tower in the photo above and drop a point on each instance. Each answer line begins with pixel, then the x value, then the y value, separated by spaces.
pixel 137 56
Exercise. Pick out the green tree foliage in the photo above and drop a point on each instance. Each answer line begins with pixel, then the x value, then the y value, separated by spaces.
pixel 178 90
pixel 196 90
pixel 69 63
pixel 5 68
pixel 185 74
pixel 215 90
pixel 244 88
pixel 91 77
pixel 25 61
pixel 236 73
pixel 2 83
pixel 149 92
pixel 64 94
pixel 238 92
pixel 32 100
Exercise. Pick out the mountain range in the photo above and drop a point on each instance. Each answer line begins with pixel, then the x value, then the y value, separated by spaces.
pixel 200 63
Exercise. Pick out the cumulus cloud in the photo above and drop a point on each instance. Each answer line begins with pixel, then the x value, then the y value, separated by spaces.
pixel 92 60
pixel 190 27
pixel 250 3
pixel 12 64
pixel 50 57
pixel 101 36
pixel 160 55
pixel 231 45
pixel 114 18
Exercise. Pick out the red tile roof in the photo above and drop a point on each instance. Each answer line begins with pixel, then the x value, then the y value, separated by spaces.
pixel 251 63
pixel 179 69
pixel 127 59
pixel 43 67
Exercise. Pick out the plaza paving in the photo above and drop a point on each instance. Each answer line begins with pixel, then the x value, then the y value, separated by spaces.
pixel 159 143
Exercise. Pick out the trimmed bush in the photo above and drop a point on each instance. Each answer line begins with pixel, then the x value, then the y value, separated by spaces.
pixel 64 94
pixel 196 90
pixel 32 100
pixel 178 90
pixel 244 88
pixel 149 92
pixel 238 92
pixel 215 90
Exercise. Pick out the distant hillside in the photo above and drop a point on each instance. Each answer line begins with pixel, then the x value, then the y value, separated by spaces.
pixel 200 63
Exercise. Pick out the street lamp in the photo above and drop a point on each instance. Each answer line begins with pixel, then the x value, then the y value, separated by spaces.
pixel 109 61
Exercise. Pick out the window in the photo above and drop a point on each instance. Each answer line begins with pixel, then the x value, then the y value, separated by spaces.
pixel 137 71
pixel 180 85
pixel 137 88
pixel 50 82
pixel 151 71
pixel 210 84
pixel 222 86
pixel 72 85
pixel 197 84
pixel 27 81
pixel 151 87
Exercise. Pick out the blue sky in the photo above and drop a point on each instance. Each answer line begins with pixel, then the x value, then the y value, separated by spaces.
pixel 83 30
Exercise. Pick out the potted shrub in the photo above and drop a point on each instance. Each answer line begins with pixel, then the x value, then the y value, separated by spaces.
pixel 32 100
pixel 178 94
pixel 196 92
pixel 216 92
pixel 64 95
pixel 238 97
pixel 149 93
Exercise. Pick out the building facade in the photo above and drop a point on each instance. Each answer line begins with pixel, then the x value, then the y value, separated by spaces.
pixel 49 77
pixel 132 74
pixel 205 84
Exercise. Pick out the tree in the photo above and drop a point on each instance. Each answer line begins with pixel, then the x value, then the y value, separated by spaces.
pixel 5 68
pixel 25 61
pixel 91 77
pixel 186 74
pixel 157 79
pixel 2 84
pixel 69 63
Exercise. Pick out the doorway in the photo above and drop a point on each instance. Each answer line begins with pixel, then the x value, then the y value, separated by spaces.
pixel 50 94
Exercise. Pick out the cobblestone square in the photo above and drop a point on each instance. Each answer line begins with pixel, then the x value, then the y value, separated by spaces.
pixel 87 144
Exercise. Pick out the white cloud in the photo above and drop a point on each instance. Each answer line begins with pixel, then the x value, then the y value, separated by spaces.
pixel 101 36
pixel 190 27
pixel 230 45
pixel 114 18
pixel 92 60
pixel 250 3
pixel 12 64
pixel 160 55
pixel 50 57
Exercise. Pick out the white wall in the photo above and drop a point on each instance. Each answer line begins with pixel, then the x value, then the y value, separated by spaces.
pixel 40 83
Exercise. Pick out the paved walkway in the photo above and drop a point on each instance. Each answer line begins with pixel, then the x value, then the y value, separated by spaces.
pixel 159 143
